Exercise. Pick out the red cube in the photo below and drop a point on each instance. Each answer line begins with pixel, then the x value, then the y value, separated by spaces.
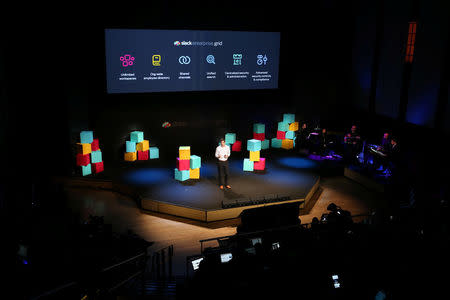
pixel 259 165
pixel 142 155
pixel 237 146
pixel 95 145
pixel 97 167
pixel 281 135
pixel 83 160
pixel 259 136
pixel 183 164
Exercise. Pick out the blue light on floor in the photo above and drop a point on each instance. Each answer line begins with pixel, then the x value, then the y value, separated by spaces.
pixel 297 162
pixel 148 176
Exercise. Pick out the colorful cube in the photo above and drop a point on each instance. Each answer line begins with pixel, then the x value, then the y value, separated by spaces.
pixel 237 146
pixel 260 165
pixel 185 152
pixel 95 145
pixel 83 159
pixel 259 136
pixel 130 156
pixel 276 143
pixel 230 138
pixel 183 164
pixel 281 135
pixel 253 145
pixel 97 167
pixel 86 170
pixel 259 128
pixel 195 162
pixel 290 135
pixel 265 144
pixel 194 173
pixel 254 155
pixel 83 148
pixel 221 144
pixel 96 156
pixel 293 126
pixel 289 118
pixel 248 165
pixel 181 175
pixel 86 137
pixel 142 146
pixel 130 146
pixel 287 144
pixel 137 136
pixel 283 126
pixel 154 152
pixel 142 155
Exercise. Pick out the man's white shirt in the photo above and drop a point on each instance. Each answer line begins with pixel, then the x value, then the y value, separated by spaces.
pixel 222 151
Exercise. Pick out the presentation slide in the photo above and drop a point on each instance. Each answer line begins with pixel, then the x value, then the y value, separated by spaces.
pixel 144 60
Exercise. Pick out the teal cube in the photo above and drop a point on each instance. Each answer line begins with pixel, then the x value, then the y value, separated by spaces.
pixel 86 137
pixel 130 146
pixel 253 145
pixel 225 144
pixel 195 162
pixel 283 126
pixel 137 136
pixel 154 152
pixel 248 165
pixel 96 156
pixel 86 170
pixel 230 138
pixel 265 144
pixel 181 175
pixel 276 143
pixel 259 128
pixel 295 138
pixel 289 118
pixel 290 134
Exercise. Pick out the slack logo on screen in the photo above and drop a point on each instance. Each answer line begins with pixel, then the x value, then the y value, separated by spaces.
pixel 184 60
pixel 127 60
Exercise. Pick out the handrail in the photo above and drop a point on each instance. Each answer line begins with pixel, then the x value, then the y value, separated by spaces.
pixel 123 262
pixel 55 290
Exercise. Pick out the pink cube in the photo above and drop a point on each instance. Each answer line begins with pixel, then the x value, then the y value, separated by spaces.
pixel 142 155
pixel 183 164
pixel 259 136
pixel 95 145
pixel 259 165
pixel 281 135
pixel 83 159
pixel 97 167
pixel 237 146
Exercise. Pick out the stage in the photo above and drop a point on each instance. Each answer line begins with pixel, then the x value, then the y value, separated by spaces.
pixel 287 178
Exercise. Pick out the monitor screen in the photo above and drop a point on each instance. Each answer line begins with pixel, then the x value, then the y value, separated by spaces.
pixel 226 257
pixel 147 60
pixel 196 263
pixel 256 241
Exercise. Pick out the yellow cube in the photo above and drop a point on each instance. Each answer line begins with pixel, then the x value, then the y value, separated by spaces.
pixel 293 126
pixel 84 148
pixel 287 144
pixel 194 173
pixel 142 146
pixel 254 155
pixel 185 152
pixel 130 156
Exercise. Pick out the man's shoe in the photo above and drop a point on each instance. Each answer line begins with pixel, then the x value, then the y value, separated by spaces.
pixel 221 187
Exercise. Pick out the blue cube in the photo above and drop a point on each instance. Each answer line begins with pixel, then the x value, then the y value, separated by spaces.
pixel 283 126
pixel 154 152
pixel 265 144
pixel 181 175
pixel 276 143
pixel 225 144
pixel 295 138
pixel 196 162
pixel 86 137
pixel 253 145
pixel 96 156
pixel 230 138
pixel 259 128
pixel 248 165
pixel 130 146
pixel 290 134
pixel 289 118
pixel 137 136
pixel 86 170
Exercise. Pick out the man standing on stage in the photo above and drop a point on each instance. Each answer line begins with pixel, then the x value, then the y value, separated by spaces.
pixel 222 154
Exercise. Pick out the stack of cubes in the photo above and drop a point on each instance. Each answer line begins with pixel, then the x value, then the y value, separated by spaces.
pixel 286 132
pixel 255 161
pixel 188 166
pixel 230 140
pixel 139 149
pixel 259 133
pixel 89 155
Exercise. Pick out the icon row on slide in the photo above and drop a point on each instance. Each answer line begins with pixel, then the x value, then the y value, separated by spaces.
pixel 128 60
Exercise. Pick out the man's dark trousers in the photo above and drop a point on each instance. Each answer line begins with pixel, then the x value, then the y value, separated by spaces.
pixel 223 172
